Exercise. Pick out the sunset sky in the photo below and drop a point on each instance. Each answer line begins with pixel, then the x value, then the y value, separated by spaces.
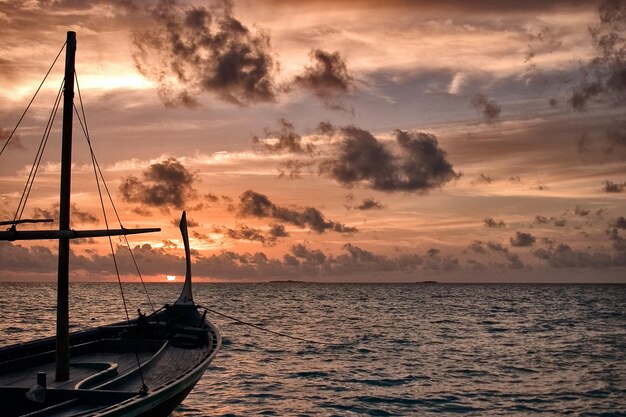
pixel 465 141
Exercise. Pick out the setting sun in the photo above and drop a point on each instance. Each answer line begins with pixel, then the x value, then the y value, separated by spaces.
pixel 171 277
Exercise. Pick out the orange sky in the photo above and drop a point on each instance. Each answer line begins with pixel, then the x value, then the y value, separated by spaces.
pixel 329 141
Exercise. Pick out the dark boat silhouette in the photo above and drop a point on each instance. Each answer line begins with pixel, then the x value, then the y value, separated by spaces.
pixel 140 367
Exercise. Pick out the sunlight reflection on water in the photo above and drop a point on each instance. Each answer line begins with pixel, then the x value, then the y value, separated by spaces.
pixel 398 349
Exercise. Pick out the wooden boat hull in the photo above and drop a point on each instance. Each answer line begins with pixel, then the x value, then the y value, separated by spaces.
pixel 175 346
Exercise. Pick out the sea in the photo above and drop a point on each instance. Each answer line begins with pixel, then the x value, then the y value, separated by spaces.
pixel 378 349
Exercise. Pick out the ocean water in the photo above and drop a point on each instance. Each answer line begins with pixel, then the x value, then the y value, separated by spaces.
pixel 381 349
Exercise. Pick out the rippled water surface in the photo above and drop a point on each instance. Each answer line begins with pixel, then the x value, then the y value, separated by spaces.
pixel 381 350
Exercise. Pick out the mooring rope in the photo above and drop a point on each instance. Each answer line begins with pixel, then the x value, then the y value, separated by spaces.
pixel 264 329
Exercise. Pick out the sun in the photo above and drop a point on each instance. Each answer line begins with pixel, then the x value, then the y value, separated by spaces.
pixel 170 277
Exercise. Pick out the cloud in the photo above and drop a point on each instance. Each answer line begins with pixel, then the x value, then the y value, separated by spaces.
pixel 604 77
pixel 580 211
pixel 326 129
pixel 211 198
pixel 370 204
pixel 490 222
pixel 522 239
pixel 616 136
pixel 293 169
pixel 253 204
pixel 483 179
pixel 76 215
pixel 541 219
pixel 328 78
pixel 477 247
pixel 434 261
pixel 497 247
pixel 415 162
pixel 284 140
pixel 164 184
pixel 15 140
pixel 299 261
pixel 543 41
pixel 243 232
pixel 489 109
pixel 619 223
pixel 198 50
pixel 563 256
pixel 191 223
pixel 142 211
pixel 611 187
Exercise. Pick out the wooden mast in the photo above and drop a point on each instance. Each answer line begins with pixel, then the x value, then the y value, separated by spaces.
pixel 62 333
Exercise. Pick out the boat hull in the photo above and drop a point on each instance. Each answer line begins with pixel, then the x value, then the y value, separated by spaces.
pixel 173 357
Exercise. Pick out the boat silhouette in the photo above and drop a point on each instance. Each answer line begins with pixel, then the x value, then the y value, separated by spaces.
pixel 143 366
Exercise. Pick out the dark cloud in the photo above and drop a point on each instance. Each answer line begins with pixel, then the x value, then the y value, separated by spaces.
pixel 15 142
pixel 325 128
pixel 293 169
pixel 563 256
pixel 77 216
pixel 191 223
pixel 278 230
pixel 523 239
pixel 168 244
pixel 512 260
pixel 211 198
pixel 497 247
pixel 474 6
pixel 616 136
pixel 483 179
pixel 283 140
pixel 142 211
pixel 434 261
pixel 477 247
pixel 205 50
pixel 604 77
pixel 489 109
pixel 243 232
pixel 253 204
pixel 612 187
pixel 619 223
pixel 541 41
pixel 328 78
pixel 370 204
pixel 164 184
pixel 202 236
pixel 580 211
pixel 415 163
pixel 541 219
pixel 559 222
pixel 490 222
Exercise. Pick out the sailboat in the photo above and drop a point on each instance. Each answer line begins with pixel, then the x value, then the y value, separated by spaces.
pixel 144 366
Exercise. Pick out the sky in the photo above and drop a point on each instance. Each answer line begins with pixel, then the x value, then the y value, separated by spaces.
pixel 398 141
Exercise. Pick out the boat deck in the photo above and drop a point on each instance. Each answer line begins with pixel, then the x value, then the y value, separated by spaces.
pixel 80 369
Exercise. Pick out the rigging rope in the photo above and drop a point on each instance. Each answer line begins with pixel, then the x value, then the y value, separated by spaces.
pixel 35 167
pixel 96 166
pixel 31 100
pixel 83 124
